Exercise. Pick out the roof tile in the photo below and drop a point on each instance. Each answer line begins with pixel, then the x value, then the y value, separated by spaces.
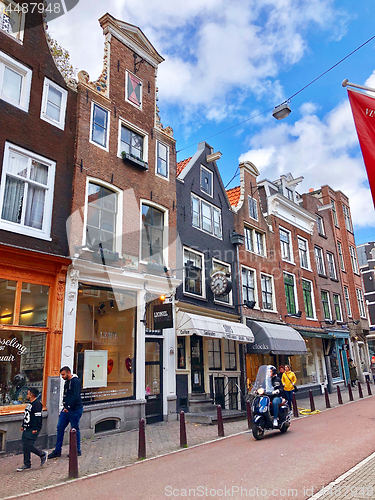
pixel 234 195
pixel 181 165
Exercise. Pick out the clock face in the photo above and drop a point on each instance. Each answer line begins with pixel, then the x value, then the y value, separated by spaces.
pixel 219 283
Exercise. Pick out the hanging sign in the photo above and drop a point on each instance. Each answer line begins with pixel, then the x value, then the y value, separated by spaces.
pixel 163 316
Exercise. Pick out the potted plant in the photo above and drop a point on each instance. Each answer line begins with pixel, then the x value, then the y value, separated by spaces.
pixel 134 160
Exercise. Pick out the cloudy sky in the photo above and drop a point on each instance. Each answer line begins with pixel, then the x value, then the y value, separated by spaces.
pixel 228 61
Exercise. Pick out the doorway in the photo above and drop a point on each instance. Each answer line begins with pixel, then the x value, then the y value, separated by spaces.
pixel 197 373
pixel 154 380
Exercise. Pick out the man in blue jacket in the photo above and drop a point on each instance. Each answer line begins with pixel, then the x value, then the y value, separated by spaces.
pixel 71 412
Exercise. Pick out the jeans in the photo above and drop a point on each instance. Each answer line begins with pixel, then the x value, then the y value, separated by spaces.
pixel 28 440
pixel 288 397
pixel 65 418
pixel 275 405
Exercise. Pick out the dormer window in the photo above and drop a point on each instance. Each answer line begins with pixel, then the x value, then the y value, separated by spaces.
pixel 289 194
pixel 206 180
pixel 133 90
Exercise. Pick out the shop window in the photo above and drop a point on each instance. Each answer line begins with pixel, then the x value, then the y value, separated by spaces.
pixel 193 272
pixel 181 353
pixel 104 357
pixel 31 301
pixel 334 362
pixel 7 299
pixel 214 354
pixel 15 81
pixel 248 285
pixel 152 235
pixel 230 354
pixel 267 292
pixel 101 216
pixel 53 104
pixel 326 305
pixel 304 366
pixel 290 297
pixel 12 19
pixel 308 298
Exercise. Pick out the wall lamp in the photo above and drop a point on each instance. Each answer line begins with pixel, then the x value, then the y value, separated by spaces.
pixel 295 315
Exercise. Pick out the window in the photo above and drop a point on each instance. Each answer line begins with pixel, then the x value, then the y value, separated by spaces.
pixel 193 267
pixel 253 208
pixel 326 305
pixel 285 243
pixel 308 298
pixel 289 194
pixel 267 292
pixel 53 104
pixel 348 222
pixel 259 249
pixel 132 143
pixel 152 235
pixel 331 266
pixel 347 301
pixel 12 19
pixel 230 354
pixel 133 93
pixel 341 258
pixel 303 250
pixel 101 217
pixel 249 239
pixel 361 304
pixel 225 268
pixel 205 216
pixel 214 354
pixel 334 213
pixel 320 225
pixel 99 126
pixel 26 192
pixel 162 159
pixel 15 81
pixel 181 353
pixel 254 241
pixel 206 180
pixel 319 260
pixel 337 306
pixel 248 285
pixel 290 294
pixel 353 258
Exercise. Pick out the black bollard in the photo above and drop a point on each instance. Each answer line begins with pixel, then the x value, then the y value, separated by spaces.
pixel 368 388
pixel 248 411
pixel 220 425
pixel 328 404
pixel 312 404
pixel 360 390
pixel 294 404
pixel 142 440
pixel 73 455
pixel 350 393
pixel 339 398
pixel 183 438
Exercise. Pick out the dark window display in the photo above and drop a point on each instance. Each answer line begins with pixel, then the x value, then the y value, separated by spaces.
pixel 7 299
pixel 334 362
pixel 181 352
pixel 105 343
pixel 21 365
pixel 34 305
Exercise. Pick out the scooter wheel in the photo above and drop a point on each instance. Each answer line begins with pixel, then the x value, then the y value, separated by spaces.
pixel 284 429
pixel 258 432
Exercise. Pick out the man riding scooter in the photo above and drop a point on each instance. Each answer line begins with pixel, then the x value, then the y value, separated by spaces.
pixel 276 395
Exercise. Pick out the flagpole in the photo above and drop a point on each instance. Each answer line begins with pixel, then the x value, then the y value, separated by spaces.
pixel 346 83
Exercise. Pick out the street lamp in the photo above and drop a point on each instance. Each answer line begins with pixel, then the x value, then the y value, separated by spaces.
pixel 281 111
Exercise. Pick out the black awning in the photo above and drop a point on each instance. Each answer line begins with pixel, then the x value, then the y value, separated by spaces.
pixel 275 339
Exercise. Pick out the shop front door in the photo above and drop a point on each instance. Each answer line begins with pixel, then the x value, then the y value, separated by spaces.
pixel 154 380
pixel 197 373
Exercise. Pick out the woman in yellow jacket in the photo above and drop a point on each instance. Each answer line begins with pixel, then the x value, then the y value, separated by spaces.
pixel 289 380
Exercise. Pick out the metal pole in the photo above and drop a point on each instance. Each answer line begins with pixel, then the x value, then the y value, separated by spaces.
pixel 248 411
pixel 339 398
pixel 350 393
pixel 183 438
pixel 360 389
pixel 346 83
pixel 294 404
pixel 328 404
pixel 368 388
pixel 312 404
pixel 220 425
pixel 73 455
pixel 142 440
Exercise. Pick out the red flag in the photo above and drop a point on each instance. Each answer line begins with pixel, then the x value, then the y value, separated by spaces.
pixel 363 108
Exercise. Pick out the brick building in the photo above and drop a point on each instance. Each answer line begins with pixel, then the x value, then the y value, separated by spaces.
pixel 122 240
pixel 37 131
pixel 366 261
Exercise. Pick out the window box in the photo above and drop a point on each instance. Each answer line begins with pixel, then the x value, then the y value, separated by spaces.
pixel 107 255
pixel 134 160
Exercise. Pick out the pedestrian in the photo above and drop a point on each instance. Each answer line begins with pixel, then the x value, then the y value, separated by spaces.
pixel 31 426
pixel 71 412
pixel 281 372
pixel 372 367
pixel 289 381
pixel 353 372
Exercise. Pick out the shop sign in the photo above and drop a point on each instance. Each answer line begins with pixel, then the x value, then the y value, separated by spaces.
pixel 163 316
pixel 14 343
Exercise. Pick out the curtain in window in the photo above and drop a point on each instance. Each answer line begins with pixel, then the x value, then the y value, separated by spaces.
pixel 13 197
pixel 35 207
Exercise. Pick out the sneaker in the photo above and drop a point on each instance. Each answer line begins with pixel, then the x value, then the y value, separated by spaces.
pixel 79 453
pixel 275 423
pixel 23 467
pixel 55 454
pixel 43 458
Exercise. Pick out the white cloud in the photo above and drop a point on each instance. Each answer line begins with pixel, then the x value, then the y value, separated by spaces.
pixel 324 151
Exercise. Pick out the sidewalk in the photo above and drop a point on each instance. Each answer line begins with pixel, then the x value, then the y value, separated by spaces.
pixel 105 452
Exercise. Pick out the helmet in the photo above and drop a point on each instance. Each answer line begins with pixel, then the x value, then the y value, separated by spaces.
pixel 273 369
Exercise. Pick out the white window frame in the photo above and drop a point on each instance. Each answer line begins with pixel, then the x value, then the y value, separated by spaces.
pixel 253 231
pixel 126 89
pixel 273 292
pixel 318 217
pixel 211 194
pixel 290 243
pixel 340 306
pixel 45 232
pixel 353 259
pixel 300 238
pixel 213 209
pixel 64 97
pixel 361 303
pixel 314 318
pixel 93 104
pixel 165 231
pixel 165 177
pixel 119 192
pixel 334 277
pixel 294 291
pixel 21 32
pixel 322 259
pixel 347 301
pixel 329 305
pixel 287 192
pixel 26 75
pixel 201 255
pixel 256 296
pixel 334 213
pixel 226 264
pixel 347 218
pixel 254 204
pixel 139 131
pixel 341 257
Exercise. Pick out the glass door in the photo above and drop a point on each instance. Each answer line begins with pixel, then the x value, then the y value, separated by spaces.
pixel 197 374
pixel 154 380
